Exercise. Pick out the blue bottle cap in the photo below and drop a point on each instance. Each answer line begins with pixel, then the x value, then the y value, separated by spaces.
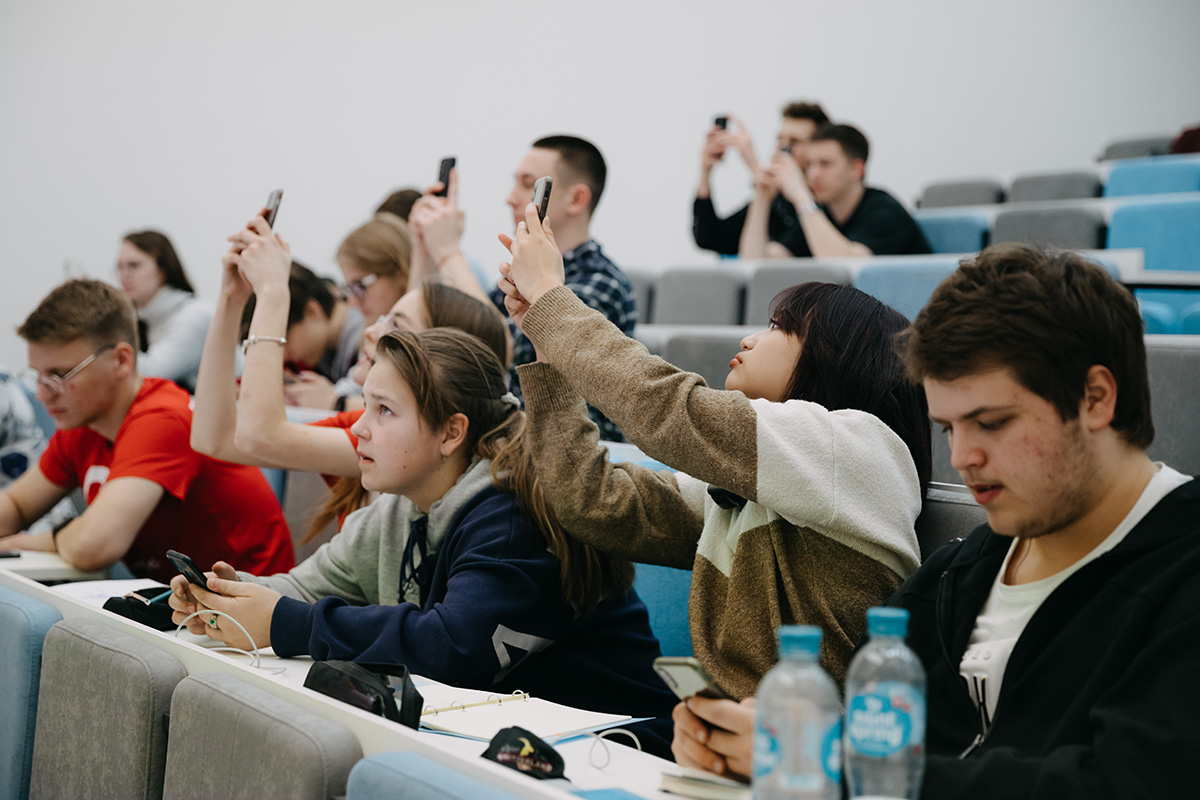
pixel 887 621
pixel 797 640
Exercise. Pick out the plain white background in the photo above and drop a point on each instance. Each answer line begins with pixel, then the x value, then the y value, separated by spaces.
pixel 128 114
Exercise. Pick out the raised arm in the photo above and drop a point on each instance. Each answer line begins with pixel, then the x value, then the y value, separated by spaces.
pixel 755 235
pixel 438 223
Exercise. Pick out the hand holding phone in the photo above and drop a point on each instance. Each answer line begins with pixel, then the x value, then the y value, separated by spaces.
pixel 444 175
pixel 686 678
pixel 541 195
pixel 272 207
pixel 721 122
pixel 188 567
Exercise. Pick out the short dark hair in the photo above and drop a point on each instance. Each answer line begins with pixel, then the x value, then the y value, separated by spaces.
pixel 303 285
pixel 82 308
pixel 853 142
pixel 399 202
pixel 581 159
pixel 847 360
pixel 810 111
pixel 159 247
pixel 1048 316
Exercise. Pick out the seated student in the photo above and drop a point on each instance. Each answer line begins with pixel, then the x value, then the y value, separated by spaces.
pixel 458 570
pixel 375 259
pixel 323 337
pixel 800 121
pixel 1058 638
pixel 124 440
pixel 579 173
pixel 252 428
pixel 803 479
pixel 839 215
pixel 174 320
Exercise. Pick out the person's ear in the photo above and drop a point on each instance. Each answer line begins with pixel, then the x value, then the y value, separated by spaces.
pixel 125 358
pixel 860 168
pixel 1099 404
pixel 313 310
pixel 454 434
pixel 579 199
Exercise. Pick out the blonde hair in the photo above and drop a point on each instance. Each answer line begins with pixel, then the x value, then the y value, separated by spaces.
pixel 382 246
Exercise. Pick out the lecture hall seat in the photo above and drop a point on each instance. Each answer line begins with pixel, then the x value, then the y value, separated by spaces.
pixel 24 622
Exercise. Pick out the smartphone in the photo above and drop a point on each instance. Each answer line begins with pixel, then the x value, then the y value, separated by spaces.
pixel 272 207
pixel 686 677
pixel 721 122
pixel 188 567
pixel 10 553
pixel 541 195
pixel 444 174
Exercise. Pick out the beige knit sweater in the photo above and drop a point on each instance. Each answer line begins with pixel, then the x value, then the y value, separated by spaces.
pixel 832 496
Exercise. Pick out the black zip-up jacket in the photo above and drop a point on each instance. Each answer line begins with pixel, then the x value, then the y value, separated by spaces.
pixel 1101 696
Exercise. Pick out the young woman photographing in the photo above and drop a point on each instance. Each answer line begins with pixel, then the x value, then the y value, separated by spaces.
pixel 797 488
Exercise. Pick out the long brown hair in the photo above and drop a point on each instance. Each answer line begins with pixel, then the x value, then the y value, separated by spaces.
pixel 382 246
pixel 159 247
pixel 451 372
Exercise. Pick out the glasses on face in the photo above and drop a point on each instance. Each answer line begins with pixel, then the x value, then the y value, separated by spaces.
pixel 57 384
pixel 358 289
pixel 388 323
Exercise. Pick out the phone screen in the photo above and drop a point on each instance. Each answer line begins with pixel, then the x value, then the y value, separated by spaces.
pixel 188 567
pixel 721 122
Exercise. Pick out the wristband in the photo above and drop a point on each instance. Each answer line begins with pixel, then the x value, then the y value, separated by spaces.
pixel 253 340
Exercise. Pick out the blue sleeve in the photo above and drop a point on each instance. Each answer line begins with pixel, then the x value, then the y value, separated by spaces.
pixel 499 603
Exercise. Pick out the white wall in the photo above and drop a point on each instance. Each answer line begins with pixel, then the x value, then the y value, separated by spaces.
pixel 182 116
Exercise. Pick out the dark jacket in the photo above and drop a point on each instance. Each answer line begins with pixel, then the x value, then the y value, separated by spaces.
pixel 1101 694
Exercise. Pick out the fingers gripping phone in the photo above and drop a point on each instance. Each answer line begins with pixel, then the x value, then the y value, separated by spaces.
pixel 721 122
pixel 272 207
pixel 686 677
pixel 541 195
pixel 188 567
pixel 444 174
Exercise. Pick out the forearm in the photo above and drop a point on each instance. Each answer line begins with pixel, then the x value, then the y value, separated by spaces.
pixel 457 272
pixel 825 240
pixel 754 235
pixel 214 416
pixel 12 517
pixel 704 190
pixel 261 411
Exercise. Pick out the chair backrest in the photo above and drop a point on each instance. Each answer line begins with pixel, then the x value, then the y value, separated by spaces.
pixel 1189 320
pixel 233 740
pixel 950 512
pixel 706 352
pixel 1167 231
pixel 699 295
pixel 665 591
pixel 1055 186
pixel 962 193
pixel 1137 148
pixel 1158 317
pixel 24 622
pixel 772 277
pixel 1174 366
pixel 101 714
pixel 905 287
pixel 412 776
pixel 954 233
pixel 643 289
pixel 1153 176
pixel 1068 228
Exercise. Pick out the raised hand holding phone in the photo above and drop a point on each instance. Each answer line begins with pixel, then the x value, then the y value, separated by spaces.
pixel 444 175
pixel 537 265
pixel 541 195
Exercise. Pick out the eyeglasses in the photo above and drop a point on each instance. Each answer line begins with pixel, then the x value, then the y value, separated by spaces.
pixel 358 289
pixel 57 384
pixel 388 323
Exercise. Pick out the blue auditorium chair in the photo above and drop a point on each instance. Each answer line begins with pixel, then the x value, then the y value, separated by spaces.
pixel 954 233
pixel 904 287
pixel 1153 176
pixel 24 622
pixel 665 591
pixel 1166 230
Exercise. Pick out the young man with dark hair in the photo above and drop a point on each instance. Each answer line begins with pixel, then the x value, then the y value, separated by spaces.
pixel 839 215
pixel 324 334
pixel 123 439
pixel 1061 639
pixel 579 174
pixel 800 121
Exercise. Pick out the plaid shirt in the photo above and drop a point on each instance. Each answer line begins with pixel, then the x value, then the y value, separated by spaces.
pixel 598 282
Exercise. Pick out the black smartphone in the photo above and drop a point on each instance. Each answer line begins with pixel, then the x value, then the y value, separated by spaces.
pixel 10 553
pixel 686 677
pixel 721 122
pixel 188 567
pixel 541 195
pixel 272 207
pixel 444 174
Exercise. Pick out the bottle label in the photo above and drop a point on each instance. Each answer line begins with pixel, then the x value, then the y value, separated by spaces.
pixel 886 720
pixel 766 750
pixel 831 752
pixel 823 747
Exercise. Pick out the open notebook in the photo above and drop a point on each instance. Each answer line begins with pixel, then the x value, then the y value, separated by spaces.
pixel 481 715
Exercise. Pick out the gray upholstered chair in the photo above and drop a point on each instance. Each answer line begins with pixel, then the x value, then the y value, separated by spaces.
pixel 1068 228
pixel 24 622
pixel 710 295
pixel 772 277
pixel 411 776
pixel 102 714
pixel 1055 186
pixel 962 193
pixel 949 513
pixel 643 281
pixel 233 740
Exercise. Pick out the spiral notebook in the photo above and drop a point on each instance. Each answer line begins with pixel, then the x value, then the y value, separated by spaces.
pixel 481 715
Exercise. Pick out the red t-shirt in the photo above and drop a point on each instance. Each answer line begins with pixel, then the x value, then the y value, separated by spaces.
pixel 210 509
pixel 342 420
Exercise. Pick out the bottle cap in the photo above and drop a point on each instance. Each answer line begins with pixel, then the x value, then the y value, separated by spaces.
pixel 798 640
pixel 887 621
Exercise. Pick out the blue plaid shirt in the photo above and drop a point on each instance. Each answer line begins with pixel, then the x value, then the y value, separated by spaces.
pixel 598 282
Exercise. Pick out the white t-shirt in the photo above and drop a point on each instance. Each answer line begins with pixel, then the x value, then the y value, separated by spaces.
pixel 1009 608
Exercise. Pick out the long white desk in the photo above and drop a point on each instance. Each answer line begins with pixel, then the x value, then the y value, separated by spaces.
pixel 46 567
pixel 628 769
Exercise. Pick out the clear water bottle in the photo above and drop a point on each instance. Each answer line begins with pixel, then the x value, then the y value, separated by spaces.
pixel 885 712
pixel 798 724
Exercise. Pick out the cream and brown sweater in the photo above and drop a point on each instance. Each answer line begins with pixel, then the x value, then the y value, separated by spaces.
pixel 827 529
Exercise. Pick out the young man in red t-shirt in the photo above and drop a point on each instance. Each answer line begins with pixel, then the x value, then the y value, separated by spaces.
pixel 123 439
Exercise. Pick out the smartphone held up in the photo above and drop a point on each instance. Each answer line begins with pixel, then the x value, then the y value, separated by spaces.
pixel 541 195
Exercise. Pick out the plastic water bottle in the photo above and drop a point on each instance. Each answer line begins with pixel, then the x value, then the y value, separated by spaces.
pixel 798 724
pixel 885 712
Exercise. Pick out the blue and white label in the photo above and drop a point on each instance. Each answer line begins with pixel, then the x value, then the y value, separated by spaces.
pixel 766 751
pixel 886 720
pixel 831 752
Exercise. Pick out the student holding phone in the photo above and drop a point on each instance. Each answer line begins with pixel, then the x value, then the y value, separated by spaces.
pixel 459 570
pixel 798 486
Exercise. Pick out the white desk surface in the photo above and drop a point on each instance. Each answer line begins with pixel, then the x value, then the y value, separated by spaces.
pixel 39 566
pixel 626 769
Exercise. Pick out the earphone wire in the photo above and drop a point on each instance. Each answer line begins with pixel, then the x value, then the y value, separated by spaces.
pixel 255 658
